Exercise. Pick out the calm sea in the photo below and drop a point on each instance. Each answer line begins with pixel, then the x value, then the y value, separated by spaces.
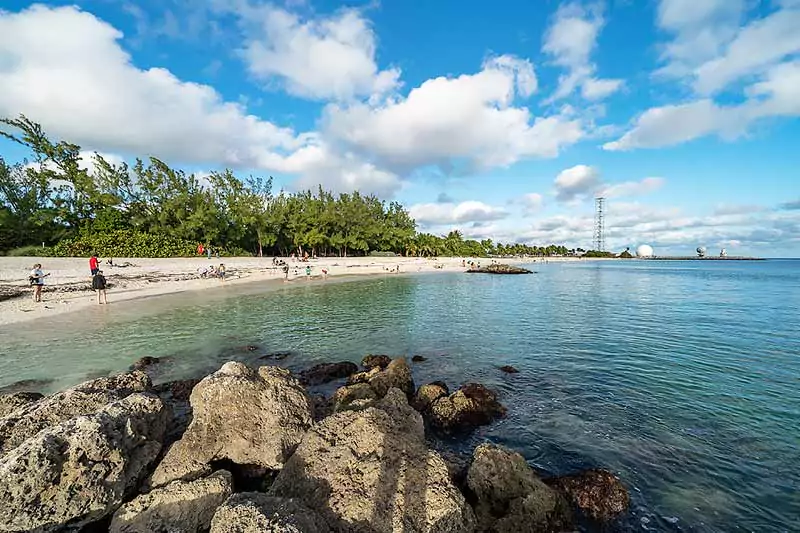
pixel 682 377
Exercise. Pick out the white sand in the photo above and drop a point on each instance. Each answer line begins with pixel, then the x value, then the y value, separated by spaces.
pixel 150 277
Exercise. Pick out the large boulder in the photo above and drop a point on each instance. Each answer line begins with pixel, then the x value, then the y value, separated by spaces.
pixel 426 395
pixel 254 512
pixel 356 396
pixel 597 493
pixel 470 406
pixel 508 496
pixel 364 388
pixel 178 506
pixel 83 399
pixel 81 470
pixel 375 361
pixel 11 402
pixel 239 416
pixel 370 470
pixel 327 372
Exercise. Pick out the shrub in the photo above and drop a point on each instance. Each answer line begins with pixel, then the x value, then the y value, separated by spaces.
pixel 382 254
pixel 125 243
pixel 30 251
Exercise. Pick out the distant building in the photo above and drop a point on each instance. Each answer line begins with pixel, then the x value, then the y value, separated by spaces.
pixel 644 251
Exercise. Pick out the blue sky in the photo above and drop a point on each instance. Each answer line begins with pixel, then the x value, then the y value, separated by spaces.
pixel 504 123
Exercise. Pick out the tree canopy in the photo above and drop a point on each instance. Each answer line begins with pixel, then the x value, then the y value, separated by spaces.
pixel 149 208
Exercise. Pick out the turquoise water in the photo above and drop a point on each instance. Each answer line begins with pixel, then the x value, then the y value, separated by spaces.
pixel 682 377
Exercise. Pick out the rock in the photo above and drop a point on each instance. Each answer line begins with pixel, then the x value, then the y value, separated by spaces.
pixel 327 372
pixel 418 359
pixel 375 361
pixel 397 375
pixel 508 369
pixel 499 269
pixel 363 377
pixel 81 470
pixel 144 362
pixel 178 506
pixel 357 396
pixel 427 394
pixel 11 402
pixel 508 496
pixel 370 470
pixel 597 493
pixel 253 512
pixel 323 406
pixel 275 356
pixel 241 416
pixel 179 389
pixel 83 399
pixel 470 406
pixel 25 385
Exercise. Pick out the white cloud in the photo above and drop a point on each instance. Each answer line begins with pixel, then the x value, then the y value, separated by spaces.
pixel 758 46
pixel 576 182
pixel 776 95
pixel 632 188
pixel 451 213
pixel 447 122
pixel 531 202
pixel 570 40
pixel 322 58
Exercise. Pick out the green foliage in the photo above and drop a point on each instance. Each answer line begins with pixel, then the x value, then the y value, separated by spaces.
pixel 597 253
pixel 30 251
pixel 382 254
pixel 149 209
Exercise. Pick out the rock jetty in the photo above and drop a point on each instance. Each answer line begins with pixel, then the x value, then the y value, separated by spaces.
pixel 496 268
pixel 243 450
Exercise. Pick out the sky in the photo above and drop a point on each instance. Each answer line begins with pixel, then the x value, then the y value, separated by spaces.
pixel 504 120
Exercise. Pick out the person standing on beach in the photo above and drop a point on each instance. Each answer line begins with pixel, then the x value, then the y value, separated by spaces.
pixel 221 272
pixel 94 265
pixel 208 251
pixel 324 273
pixel 285 273
pixel 99 285
pixel 37 280
pixel 308 272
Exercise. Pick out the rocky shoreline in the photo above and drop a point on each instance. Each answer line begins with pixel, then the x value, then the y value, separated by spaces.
pixel 250 449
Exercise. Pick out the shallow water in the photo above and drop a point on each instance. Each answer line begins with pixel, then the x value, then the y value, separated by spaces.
pixel 682 377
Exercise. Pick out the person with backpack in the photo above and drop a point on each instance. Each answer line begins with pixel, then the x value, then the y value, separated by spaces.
pixel 99 285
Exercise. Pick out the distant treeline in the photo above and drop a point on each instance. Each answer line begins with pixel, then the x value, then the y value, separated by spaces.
pixel 152 210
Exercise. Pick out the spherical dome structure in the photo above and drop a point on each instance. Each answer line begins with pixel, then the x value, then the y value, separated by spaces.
pixel 701 251
pixel 645 250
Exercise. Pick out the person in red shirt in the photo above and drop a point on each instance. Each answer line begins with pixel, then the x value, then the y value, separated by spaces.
pixel 93 264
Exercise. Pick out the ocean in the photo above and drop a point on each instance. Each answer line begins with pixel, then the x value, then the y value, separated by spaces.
pixel 681 377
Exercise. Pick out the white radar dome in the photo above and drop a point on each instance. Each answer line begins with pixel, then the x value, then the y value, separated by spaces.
pixel 645 250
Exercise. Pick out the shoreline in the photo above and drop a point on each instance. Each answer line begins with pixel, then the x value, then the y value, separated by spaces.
pixel 68 289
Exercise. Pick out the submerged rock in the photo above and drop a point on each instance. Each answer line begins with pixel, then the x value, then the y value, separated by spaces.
pixel 145 362
pixel 254 512
pixel 508 496
pixel 370 470
pixel 25 385
pixel 241 416
pixel 83 399
pixel 597 493
pixel 81 470
pixel 470 406
pixel 327 372
pixel 418 359
pixel 11 402
pixel 499 269
pixel 376 361
pixel 508 369
pixel 178 506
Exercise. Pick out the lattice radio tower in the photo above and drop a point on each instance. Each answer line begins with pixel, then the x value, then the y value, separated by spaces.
pixel 600 224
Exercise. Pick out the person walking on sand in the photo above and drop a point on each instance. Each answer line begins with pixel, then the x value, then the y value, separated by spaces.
pixel 99 285
pixel 37 281
pixel 285 273
pixel 94 264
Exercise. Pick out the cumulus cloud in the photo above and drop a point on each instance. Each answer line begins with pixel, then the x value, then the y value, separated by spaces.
pixel 447 122
pixel 791 206
pixel 531 202
pixel 451 213
pixel 322 58
pixel 631 188
pixel 576 182
pixel 570 40
pixel 774 96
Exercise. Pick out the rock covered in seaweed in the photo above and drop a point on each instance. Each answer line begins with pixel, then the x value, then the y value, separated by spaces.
pixel 241 416
pixel 351 467
pixel 509 496
pixel 178 506
pixel 598 494
pixel 375 361
pixel 364 388
pixel 255 512
pixel 497 268
pixel 327 372
pixel 83 399
pixel 81 470
pixel 470 406
pixel 11 402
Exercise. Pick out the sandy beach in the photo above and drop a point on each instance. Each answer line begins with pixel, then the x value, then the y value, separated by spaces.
pixel 68 288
